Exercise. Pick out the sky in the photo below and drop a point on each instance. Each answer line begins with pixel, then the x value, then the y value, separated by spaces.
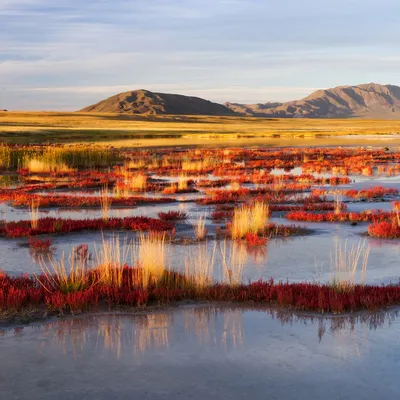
pixel 67 54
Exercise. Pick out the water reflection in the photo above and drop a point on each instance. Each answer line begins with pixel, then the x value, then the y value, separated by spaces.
pixel 207 327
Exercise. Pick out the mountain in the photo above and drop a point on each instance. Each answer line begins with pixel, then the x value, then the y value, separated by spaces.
pixel 149 103
pixel 252 110
pixel 362 101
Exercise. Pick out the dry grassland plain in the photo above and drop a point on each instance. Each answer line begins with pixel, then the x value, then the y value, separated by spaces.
pixel 139 130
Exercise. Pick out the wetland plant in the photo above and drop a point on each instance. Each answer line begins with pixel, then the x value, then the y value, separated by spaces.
pixel 249 219
pixel 346 262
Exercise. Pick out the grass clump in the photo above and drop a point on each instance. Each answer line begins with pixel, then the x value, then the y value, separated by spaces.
pixel 250 219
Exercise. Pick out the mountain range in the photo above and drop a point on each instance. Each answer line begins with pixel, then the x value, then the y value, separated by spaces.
pixel 370 100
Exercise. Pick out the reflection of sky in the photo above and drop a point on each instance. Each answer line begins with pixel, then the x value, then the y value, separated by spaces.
pixel 68 54
pixel 243 351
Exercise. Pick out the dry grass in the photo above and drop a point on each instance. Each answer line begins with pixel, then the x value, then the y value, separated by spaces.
pixel 338 203
pixel 396 210
pixel 138 182
pixel 110 259
pixel 346 262
pixel 64 275
pixel 34 212
pixel 250 219
pixel 74 127
pixel 200 229
pixel 182 183
pixel 151 253
pixel 105 203
pixel 200 264
pixel 47 166
pixel 233 260
pixel 5 156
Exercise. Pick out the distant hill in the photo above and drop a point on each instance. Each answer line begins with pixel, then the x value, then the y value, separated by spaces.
pixel 149 103
pixel 362 101
pixel 252 110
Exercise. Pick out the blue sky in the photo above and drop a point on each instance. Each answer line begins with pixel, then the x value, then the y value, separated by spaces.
pixel 66 54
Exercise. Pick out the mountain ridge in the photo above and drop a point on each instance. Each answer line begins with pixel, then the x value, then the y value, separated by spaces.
pixel 358 101
pixel 144 101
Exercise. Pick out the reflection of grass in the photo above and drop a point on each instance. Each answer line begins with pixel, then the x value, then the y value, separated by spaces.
pixel 29 127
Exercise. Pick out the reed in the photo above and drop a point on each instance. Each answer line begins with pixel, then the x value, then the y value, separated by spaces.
pixel 105 203
pixel 34 212
pixel 200 229
pixel 110 260
pixel 346 262
pixel 250 219
pixel 151 253
pixel 5 156
pixel 337 203
pixel 199 265
pixel 233 259
pixel 182 183
pixel 64 275
pixel 47 166
pixel 138 182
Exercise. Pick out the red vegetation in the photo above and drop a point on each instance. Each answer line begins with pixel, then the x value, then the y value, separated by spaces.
pixel 59 225
pixel 40 247
pixel 172 216
pixel 364 216
pixel 371 193
pixel 23 199
pixel 24 293
pixel 253 240
pixel 385 230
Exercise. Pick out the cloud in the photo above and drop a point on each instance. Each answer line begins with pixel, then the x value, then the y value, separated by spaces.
pixel 219 48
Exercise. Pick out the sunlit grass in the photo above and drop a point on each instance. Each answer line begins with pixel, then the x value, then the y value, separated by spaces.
pixel 346 262
pixel 34 212
pixel 105 203
pixel 64 275
pixel 200 229
pixel 249 219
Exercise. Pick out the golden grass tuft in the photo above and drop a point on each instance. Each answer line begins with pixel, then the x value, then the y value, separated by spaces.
pixel 105 203
pixel 200 229
pixel 34 212
pixel 345 262
pixel 199 265
pixel 151 252
pixel 233 260
pixel 138 182
pixel 66 276
pixel 182 183
pixel 250 219
pixel 110 259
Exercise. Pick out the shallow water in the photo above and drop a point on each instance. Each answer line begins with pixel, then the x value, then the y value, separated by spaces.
pixel 302 258
pixel 204 352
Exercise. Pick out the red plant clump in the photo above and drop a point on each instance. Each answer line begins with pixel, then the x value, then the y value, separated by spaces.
pixel 221 215
pixel 59 225
pixel 254 240
pixel 364 216
pixel 40 247
pixel 19 293
pixel 371 193
pixel 172 216
pixel 82 252
pixel 385 230
pixel 22 199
